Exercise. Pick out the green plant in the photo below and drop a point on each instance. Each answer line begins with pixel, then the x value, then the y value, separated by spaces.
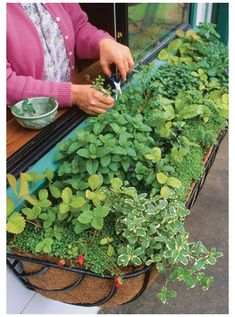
pixel 117 197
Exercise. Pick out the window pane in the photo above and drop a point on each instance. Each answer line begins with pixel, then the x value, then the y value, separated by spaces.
pixel 148 22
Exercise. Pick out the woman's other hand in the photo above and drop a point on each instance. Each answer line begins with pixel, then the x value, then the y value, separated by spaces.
pixel 112 52
pixel 90 100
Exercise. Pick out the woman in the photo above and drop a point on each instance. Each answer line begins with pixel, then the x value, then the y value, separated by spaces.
pixel 41 42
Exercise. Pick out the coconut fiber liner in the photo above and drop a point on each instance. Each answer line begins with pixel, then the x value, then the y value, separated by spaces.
pixel 91 289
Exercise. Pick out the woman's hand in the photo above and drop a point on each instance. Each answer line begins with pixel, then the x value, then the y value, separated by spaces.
pixel 90 100
pixel 112 52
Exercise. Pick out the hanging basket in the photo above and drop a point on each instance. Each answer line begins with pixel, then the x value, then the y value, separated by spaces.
pixel 85 288
pixel 78 286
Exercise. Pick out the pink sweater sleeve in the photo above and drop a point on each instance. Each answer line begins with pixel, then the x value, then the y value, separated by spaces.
pixel 21 87
pixel 87 36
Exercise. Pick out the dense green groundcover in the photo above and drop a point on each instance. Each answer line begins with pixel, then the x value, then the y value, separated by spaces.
pixel 118 195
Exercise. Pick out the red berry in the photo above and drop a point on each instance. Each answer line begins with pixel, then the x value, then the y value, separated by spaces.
pixel 118 281
pixel 60 263
pixel 81 259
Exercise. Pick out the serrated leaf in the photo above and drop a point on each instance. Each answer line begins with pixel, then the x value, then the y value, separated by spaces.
pixel 31 214
pixel 89 194
pixel 55 192
pixel 86 217
pixel 63 208
pixel 43 194
pixel 24 187
pixel 101 211
pixel 174 182
pixel 165 192
pixel 67 195
pixel 16 223
pixel 39 247
pixel 162 178
pixel 10 206
pixel 77 202
pixel 97 223
pixel 12 182
pixel 95 181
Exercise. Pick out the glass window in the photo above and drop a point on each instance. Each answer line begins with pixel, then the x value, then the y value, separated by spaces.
pixel 148 22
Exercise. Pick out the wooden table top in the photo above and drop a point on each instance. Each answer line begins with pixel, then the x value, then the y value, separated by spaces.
pixel 17 136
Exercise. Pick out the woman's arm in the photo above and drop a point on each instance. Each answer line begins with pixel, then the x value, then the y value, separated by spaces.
pixel 21 87
pixel 87 36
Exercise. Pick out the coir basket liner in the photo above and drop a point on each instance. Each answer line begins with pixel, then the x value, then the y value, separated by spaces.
pixel 81 287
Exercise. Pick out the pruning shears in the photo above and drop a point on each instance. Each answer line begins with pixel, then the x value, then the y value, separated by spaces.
pixel 117 85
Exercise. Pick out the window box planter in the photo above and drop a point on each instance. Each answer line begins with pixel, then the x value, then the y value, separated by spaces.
pixel 159 217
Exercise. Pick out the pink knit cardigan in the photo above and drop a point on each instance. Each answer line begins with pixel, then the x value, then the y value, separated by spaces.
pixel 25 57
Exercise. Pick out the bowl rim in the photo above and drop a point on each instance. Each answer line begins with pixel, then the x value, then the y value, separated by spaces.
pixel 39 116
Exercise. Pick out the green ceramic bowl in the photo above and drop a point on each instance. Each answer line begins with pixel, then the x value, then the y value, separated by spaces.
pixel 35 113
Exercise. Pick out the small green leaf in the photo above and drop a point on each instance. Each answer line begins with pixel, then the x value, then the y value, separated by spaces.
pixel 33 213
pixel 12 182
pixel 42 194
pixel 92 166
pixel 98 127
pixel 67 195
pixel 136 260
pixel 10 206
pixel 101 211
pixel 95 181
pixel 175 45
pixel 55 192
pixel 140 233
pixel 63 208
pixel 172 293
pixel 164 54
pixel 83 153
pixel 162 178
pixel 110 251
pixel 77 202
pixel 165 192
pixel 39 247
pixel 24 187
pixel 49 174
pixel 123 259
pixel 106 240
pixel 116 183
pixel 105 160
pixel 97 223
pixel 174 182
pixel 16 223
pixel 85 217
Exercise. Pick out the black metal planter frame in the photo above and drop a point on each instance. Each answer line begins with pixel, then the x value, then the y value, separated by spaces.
pixel 15 261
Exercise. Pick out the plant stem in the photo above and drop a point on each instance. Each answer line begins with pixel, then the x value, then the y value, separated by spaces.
pixel 33 223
